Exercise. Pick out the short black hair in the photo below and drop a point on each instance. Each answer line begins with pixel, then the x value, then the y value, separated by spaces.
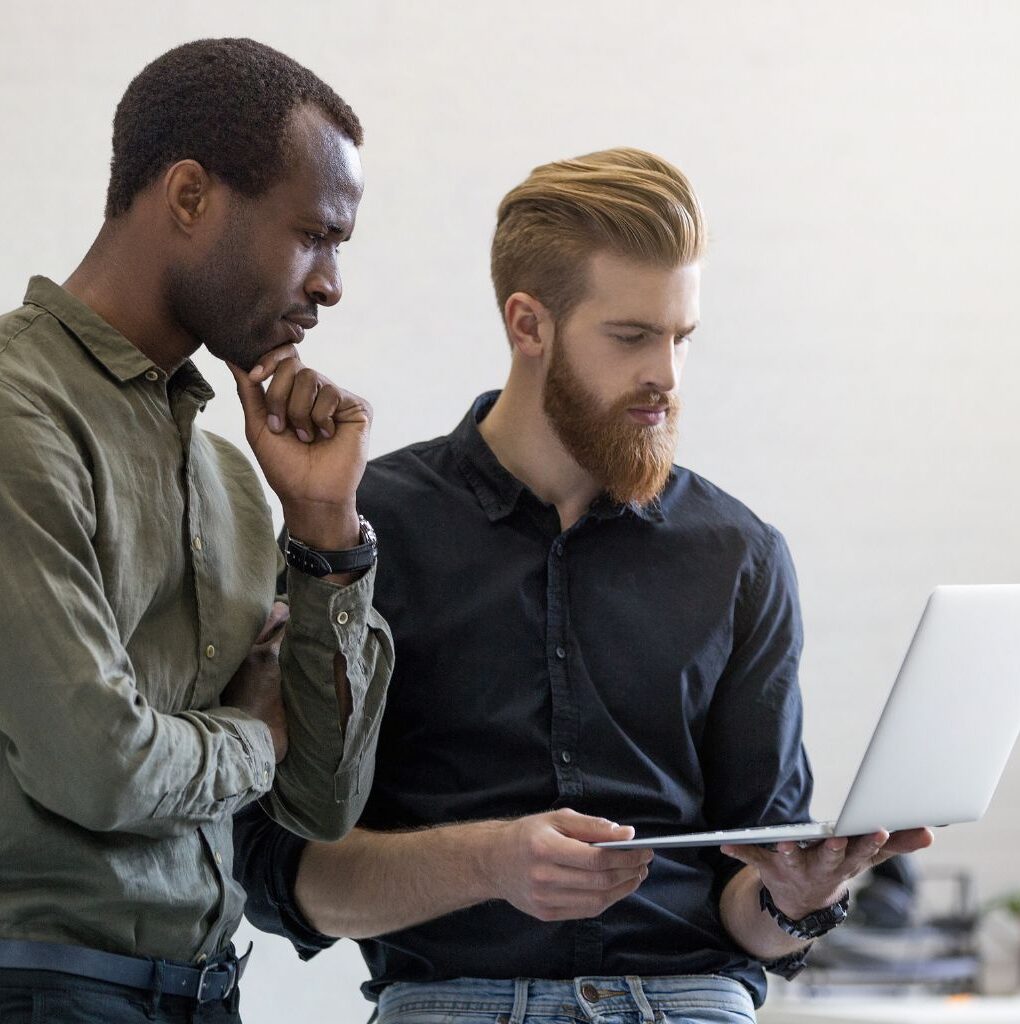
pixel 223 102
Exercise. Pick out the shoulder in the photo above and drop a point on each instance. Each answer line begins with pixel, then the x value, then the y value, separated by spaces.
pixel 27 337
pixel 407 471
pixel 692 503
pixel 47 366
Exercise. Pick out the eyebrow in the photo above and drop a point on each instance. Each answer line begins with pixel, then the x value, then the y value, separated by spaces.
pixel 644 325
pixel 331 229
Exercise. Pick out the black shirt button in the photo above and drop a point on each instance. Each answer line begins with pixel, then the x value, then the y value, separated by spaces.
pixel 565 757
pixel 558 548
pixel 561 653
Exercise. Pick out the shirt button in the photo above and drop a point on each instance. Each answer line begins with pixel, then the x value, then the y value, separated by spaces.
pixel 197 543
pixel 558 548
pixel 210 651
pixel 561 653
pixel 342 618
pixel 565 757
pixel 151 375
pixel 218 856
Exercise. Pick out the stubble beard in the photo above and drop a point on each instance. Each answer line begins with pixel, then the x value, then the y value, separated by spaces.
pixel 218 302
pixel 630 460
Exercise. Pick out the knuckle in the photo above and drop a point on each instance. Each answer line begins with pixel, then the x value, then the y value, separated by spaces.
pixel 537 876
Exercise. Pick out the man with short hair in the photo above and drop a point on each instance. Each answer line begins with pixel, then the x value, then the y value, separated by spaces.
pixel 142 702
pixel 586 634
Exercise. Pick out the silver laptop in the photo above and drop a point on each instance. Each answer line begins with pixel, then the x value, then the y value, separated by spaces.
pixel 944 736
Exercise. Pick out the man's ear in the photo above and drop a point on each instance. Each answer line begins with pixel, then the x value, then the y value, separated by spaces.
pixel 186 192
pixel 529 325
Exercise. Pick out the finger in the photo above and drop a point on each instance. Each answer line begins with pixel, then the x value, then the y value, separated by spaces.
pixel 327 401
pixel 269 361
pixel 303 392
pixel 907 841
pixel 352 408
pixel 588 829
pixel 583 903
pixel 573 853
pixel 555 879
pixel 278 394
pixel 253 400
pixel 830 855
pixel 751 854
pixel 862 851
pixel 277 618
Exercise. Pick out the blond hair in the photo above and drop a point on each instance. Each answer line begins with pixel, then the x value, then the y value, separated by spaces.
pixel 624 201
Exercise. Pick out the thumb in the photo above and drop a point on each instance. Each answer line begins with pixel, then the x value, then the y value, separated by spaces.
pixel 253 398
pixel 588 829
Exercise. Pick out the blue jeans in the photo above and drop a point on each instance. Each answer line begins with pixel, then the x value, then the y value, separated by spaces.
pixel 690 999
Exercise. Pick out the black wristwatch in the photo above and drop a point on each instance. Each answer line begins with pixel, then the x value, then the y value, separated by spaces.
pixel 322 563
pixel 816 924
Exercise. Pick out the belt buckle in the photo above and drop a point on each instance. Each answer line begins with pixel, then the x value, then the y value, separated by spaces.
pixel 206 968
pixel 231 979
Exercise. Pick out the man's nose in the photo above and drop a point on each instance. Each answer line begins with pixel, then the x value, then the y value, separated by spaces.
pixel 662 372
pixel 324 287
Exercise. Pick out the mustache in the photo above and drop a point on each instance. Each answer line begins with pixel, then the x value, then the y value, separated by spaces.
pixel 311 312
pixel 645 398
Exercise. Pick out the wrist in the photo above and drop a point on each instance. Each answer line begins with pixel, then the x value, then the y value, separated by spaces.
pixel 324 526
pixel 795 907
pixel 487 844
pixel 809 924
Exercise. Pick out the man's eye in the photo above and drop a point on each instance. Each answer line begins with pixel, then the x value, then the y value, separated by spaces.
pixel 630 339
pixel 313 237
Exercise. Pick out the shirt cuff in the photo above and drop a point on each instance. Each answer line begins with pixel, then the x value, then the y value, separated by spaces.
pixel 330 614
pixel 257 741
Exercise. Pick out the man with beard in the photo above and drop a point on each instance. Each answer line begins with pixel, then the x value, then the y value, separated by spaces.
pixel 586 634
pixel 139 553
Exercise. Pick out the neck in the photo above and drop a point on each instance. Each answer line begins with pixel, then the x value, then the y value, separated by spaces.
pixel 120 281
pixel 523 440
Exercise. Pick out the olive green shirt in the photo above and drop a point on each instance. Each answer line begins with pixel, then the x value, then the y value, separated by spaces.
pixel 139 564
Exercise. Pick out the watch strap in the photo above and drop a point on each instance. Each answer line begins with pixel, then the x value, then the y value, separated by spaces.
pixel 319 562
pixel 815 924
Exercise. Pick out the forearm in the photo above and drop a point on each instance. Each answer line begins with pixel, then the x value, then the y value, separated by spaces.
pixel 372 883
pixel 752 928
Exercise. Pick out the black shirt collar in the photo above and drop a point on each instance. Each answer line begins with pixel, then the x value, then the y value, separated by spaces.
pixel 498 491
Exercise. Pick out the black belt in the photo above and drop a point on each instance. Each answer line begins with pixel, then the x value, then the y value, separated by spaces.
pixel 214 980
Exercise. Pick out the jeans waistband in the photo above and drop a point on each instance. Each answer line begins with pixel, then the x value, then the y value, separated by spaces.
pixel 586 997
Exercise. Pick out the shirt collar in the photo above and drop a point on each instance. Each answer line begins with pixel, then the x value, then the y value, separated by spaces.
pixel 498 490
pixel 110 348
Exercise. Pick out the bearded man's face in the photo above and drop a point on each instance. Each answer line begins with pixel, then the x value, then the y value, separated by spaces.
pixel 610 390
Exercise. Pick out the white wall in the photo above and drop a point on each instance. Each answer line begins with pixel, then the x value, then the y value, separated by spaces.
pixel 854 378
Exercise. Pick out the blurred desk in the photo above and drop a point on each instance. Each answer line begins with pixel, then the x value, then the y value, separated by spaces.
pixel 894 1010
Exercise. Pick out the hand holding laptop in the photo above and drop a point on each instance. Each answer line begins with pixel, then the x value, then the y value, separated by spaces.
pixel 803 879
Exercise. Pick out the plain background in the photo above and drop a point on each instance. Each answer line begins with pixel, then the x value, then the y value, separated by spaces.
pixel 855 377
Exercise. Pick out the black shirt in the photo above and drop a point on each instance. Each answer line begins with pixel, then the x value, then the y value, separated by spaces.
pixel 640 666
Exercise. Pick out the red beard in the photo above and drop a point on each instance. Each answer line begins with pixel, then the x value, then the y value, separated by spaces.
pixel 631 461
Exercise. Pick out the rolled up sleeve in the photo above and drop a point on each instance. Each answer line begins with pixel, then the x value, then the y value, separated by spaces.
pixel 334 634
